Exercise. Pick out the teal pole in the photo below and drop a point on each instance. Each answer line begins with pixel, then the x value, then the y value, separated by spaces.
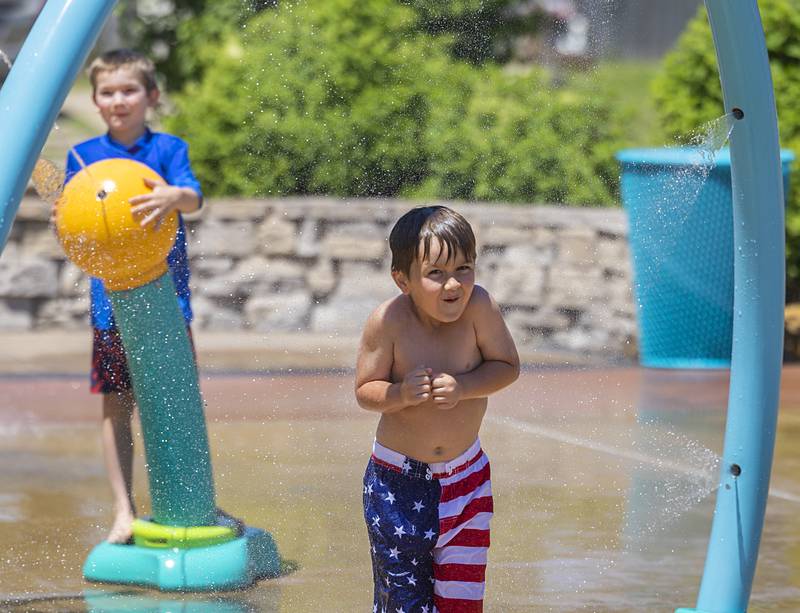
pixel 759 282
pixel 164 378
pixel 35 88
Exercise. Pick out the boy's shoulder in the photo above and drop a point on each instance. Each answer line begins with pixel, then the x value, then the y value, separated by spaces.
pixel 168 139
pixel 481 308
pixel 95 141
pixel 86 152
pixel 480 295
pixel 392 314
pixel 480 300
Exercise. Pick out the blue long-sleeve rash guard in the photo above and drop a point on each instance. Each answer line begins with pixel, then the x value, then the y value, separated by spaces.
pixel 168 155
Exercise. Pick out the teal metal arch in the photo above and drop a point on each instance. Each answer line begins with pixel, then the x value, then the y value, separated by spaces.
pixel 36 87
pixel 66 29
pixel 759 281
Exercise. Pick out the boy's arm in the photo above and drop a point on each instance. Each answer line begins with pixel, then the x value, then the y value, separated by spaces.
pixel 374 388
pixel 180 173
pixel 163 200
pixel 500 366
pixel 181 192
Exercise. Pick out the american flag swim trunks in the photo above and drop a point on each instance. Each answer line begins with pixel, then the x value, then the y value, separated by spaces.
pixel 429 531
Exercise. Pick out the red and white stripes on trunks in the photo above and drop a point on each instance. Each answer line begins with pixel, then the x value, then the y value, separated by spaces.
pixel 429 530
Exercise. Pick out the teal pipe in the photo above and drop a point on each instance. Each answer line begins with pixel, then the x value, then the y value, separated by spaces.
pixel 36 87
pixel 164 377
pixel 759 282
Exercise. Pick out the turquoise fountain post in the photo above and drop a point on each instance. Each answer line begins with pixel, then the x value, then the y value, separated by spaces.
pixel 758 217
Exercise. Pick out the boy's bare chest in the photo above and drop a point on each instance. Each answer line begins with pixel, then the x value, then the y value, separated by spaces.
pixel 452 349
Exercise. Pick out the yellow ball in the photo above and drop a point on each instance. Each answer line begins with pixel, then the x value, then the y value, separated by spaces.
pixel 99 233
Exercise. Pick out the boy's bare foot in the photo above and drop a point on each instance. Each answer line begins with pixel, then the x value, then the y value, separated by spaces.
pixel 121 532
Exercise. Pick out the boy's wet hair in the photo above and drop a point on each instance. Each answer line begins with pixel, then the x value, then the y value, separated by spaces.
pixel 420 226
pixel 124 58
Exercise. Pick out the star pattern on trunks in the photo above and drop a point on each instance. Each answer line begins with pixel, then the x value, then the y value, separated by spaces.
pixel 403 524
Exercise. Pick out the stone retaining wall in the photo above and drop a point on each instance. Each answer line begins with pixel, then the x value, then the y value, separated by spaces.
pixel 561 275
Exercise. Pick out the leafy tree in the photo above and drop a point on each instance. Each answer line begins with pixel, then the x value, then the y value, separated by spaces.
pixel 176 33
pixel 179 33
pixel 347 97
pixel 480 29
pixel 314 98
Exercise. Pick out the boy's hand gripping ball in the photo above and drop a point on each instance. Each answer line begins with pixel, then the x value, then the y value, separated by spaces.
pixel 99 233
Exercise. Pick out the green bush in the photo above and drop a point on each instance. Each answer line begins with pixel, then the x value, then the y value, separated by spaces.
pixel 688 94
pixel 515 138
pixel 177 34
pixel 348 98
pixel 314 98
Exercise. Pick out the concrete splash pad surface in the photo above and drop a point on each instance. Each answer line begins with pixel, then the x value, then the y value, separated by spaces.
pixel 583 462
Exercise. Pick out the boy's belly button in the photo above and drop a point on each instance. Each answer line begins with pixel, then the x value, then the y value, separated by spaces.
pixel 437 451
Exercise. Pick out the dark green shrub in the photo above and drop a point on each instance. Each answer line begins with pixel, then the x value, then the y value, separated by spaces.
pixel 348 98
pixel 515 138
pixel 688 94
pixel 314 98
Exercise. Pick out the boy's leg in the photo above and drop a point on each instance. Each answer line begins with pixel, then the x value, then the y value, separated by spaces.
pixel 459 559
pixel 110 378
pixel 402 522
pixel 118 451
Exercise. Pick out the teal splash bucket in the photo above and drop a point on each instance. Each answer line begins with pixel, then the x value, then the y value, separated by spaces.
pixel 681 241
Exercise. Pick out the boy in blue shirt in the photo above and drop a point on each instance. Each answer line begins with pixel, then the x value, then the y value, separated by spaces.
pixel 123 90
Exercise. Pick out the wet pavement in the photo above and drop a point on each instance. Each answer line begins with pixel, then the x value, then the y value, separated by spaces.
pixel 603 484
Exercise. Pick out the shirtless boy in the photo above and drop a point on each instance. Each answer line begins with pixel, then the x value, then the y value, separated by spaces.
pixel 428 360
